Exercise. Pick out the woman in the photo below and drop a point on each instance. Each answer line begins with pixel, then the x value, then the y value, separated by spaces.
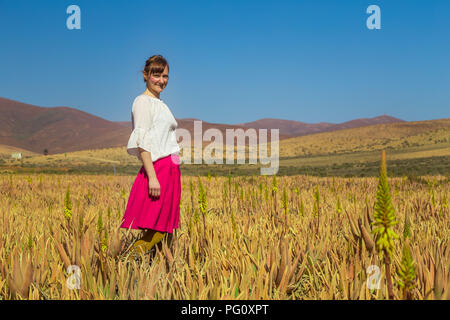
pixel 154 201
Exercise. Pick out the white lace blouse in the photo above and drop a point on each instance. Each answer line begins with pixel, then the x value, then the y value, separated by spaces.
pixel 153 128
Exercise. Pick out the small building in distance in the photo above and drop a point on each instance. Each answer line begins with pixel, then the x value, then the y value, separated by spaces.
pixel 16 155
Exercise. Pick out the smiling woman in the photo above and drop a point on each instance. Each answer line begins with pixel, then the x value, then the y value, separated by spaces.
pixel 155 66
pixel 154 201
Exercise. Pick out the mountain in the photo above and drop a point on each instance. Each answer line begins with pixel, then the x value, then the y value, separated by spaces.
pixel 57 129
pixel 417 138
pixel 66 129
pixel 188 124
pixel 297 128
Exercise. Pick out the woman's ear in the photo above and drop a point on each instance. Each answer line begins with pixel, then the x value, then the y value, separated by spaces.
pixel 145 76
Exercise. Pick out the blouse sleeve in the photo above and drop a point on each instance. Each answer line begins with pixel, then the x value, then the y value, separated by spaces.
pixel 142 121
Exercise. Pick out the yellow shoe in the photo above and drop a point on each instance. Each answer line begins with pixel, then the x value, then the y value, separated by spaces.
pixel 142 246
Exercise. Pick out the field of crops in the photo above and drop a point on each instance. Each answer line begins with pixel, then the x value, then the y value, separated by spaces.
pixel 254 237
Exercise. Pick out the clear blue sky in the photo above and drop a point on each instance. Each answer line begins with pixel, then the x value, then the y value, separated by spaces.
pixel 232 61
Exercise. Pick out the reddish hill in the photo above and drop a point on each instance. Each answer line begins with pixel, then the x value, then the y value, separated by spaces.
pixel 65 129
pixel 297 128
pixel 188 124
pixel 57 129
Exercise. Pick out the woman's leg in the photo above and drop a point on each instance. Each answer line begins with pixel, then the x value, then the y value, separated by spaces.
pixel 148 240
pixel 168 238
pixel 148 235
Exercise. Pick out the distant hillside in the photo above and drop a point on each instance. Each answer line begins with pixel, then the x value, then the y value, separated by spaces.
pixel 369 138
pixel 65 129
pixel 420 147
pixel 6 151
pixel 297 128
pixel 188 124
pixel 57 129
pixel 288 128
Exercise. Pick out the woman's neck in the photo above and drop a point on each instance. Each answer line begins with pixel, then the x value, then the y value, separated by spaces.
pixel 148 92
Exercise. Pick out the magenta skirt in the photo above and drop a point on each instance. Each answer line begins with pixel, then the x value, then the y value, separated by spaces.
pixel 157 213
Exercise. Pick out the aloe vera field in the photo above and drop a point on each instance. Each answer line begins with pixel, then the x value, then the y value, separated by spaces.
pixel 249 237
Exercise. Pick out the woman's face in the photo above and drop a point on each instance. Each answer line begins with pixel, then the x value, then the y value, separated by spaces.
pixel 158 81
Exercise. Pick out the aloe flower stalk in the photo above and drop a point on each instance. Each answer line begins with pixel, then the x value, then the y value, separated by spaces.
pixel 67 205
pixel 285 208
pixel 338 206
pixel 202 204
pixel 274 191
pixel 407 273
pixel 384 221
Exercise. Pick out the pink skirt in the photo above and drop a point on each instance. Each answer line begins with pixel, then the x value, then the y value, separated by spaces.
pixel 157 213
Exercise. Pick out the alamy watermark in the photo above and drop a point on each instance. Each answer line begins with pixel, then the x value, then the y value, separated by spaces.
pixel 74 280
pixel 74 20
pixel 374 20
pixel 214 152
pixel 374 278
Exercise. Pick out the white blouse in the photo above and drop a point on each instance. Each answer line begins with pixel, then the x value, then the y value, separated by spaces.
pixel 153 128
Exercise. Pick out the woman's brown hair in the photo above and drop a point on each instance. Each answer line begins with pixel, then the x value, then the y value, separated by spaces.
pixel 155 64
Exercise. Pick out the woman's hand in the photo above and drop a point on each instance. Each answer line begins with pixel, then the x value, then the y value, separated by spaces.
pixel 154 189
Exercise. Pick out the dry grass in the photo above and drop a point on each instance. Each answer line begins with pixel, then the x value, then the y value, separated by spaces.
pixel 247 245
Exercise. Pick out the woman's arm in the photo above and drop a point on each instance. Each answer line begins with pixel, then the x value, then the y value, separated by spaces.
pixel 154 188
pixel 148 163
pixel 143 121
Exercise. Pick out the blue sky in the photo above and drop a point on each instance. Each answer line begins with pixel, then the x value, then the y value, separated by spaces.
pixel 232 61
